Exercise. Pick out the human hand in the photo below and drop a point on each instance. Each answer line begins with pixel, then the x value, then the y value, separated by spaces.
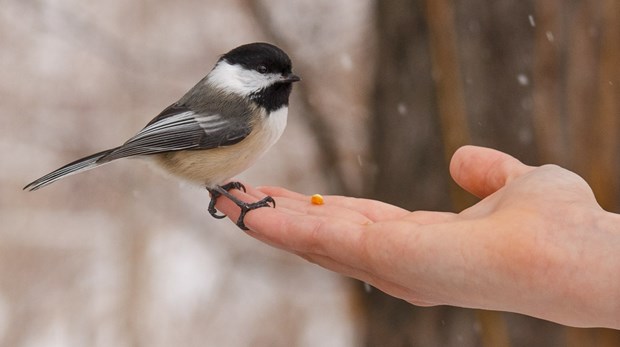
pixel 537 243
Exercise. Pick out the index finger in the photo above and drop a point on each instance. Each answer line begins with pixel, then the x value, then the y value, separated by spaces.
pixel 372 209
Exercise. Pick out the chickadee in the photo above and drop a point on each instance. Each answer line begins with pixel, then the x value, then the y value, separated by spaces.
pixel 218 129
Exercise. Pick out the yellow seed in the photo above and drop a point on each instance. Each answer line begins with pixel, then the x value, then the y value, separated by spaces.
pixel 317 199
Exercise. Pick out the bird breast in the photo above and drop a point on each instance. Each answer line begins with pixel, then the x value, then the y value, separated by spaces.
pixel 215 166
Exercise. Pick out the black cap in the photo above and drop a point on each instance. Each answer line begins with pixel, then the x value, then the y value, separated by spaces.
pixel 260 56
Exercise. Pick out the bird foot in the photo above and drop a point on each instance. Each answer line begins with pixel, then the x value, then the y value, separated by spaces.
pixel 244 206
pixel 216 193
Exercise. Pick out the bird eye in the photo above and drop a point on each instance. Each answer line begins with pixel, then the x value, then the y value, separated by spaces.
pixel 261 69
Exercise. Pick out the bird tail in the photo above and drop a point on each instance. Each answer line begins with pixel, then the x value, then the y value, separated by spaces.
pixel 80 165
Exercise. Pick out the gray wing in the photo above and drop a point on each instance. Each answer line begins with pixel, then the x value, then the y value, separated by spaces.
pixel 180 128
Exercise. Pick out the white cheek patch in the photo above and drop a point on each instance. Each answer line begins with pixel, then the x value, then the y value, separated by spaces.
pixel 238 80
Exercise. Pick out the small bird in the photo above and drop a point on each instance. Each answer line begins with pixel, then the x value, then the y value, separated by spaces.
pixel 218 129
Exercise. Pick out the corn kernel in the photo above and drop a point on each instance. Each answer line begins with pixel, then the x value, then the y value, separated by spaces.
pixel 317 199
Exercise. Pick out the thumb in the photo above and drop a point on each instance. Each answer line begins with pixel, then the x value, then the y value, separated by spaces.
pixel 482 171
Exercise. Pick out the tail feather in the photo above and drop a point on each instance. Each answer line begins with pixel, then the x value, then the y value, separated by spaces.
pixel 77 166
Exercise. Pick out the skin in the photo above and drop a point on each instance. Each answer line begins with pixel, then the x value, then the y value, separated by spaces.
pixel 537 243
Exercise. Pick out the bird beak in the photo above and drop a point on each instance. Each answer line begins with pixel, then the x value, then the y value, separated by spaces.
pixel 290 78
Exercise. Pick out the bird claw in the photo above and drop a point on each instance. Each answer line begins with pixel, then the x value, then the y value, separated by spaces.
pixel 247 207
pixel 234 185
pixel 216 194
pixel 244 206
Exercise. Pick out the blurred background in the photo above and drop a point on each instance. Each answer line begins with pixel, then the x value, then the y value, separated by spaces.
pixel 121 256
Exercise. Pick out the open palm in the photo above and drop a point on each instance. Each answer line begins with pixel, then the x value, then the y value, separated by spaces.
pixel 532 245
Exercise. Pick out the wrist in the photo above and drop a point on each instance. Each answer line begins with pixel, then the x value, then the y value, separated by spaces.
pixel 608 230
pixel 579 283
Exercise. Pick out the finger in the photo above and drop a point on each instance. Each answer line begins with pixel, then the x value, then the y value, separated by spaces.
pixel 482 171
pixel 250 194
pixel 304 206
pixel 232 211
pixel 327 209
pixel 279 191
pixel 376 254
pixel 333 265
pixel 306 233
pixel 376 280
pixel 373 210
pixel 330 208
pixel 294 229
pixel 360 250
